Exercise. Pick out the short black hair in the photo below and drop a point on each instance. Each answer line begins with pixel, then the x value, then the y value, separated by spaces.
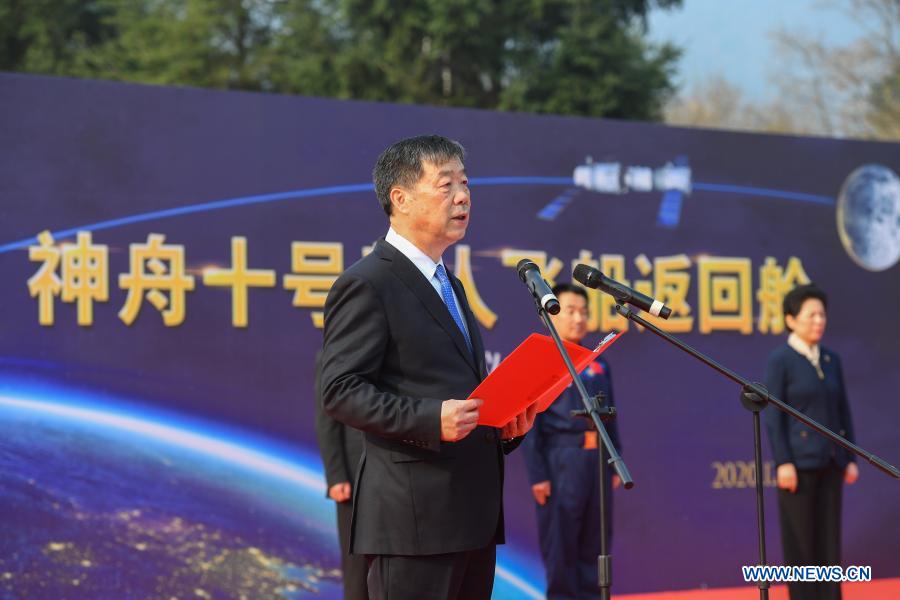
pixel 570 288
pixel 402 163
pixel 794 299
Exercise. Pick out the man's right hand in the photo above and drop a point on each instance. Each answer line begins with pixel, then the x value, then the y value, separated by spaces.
pixel 541 492
pixel 458 418
pixel 340 492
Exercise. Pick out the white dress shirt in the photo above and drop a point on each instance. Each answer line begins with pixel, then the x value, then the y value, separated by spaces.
pixel 424 263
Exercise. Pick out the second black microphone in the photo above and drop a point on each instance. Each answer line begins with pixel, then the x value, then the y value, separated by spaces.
pixel 593 278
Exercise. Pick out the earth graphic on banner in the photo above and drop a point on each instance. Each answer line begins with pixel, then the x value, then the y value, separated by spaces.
pixel 868 217
pixel 101 505
pixel 100 501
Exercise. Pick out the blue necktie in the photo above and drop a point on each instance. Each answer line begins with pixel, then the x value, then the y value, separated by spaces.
pixel 447 295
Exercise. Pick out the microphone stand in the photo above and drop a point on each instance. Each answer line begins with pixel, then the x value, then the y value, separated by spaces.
pixel 754 398
pixel 595 413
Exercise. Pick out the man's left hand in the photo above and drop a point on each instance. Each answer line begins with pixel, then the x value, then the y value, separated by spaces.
pixel 340 492
pixel 520 425
pixel 851 473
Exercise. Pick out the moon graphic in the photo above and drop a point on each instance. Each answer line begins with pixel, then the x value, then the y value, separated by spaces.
pixel 868 217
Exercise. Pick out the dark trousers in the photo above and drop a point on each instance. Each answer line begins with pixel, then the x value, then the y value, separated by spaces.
pixel 457 576
pixel 569 523
pixel 354 566
pixel 811 528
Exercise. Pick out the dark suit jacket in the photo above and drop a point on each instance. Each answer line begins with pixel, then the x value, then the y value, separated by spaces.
pixel 392 355
pixel 340 446
pixel 792 378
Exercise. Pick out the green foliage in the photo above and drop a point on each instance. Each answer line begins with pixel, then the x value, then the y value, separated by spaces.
pixel 590 58
pixel 207 43
pixel 47 36
pixel 578 57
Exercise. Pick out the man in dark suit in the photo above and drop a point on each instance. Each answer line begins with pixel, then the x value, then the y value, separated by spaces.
pixel 402 348
pixel 340 447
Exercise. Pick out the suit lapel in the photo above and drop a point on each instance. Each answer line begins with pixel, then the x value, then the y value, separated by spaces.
pixel 472 324
pixel 422 289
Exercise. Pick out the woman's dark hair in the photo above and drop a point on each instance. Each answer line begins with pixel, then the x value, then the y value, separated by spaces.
pixel 793 300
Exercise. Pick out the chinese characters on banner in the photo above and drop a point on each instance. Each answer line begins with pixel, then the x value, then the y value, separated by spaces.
pixel 79 273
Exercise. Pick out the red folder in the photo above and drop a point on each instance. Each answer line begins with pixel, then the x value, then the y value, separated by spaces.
pixel 533 372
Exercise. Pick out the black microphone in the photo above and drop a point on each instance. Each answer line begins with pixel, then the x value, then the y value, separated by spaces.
pixel 593 278
pixel 530 274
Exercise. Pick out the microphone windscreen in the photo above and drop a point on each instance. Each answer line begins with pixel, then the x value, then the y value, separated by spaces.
pixel 586 276
pixel 523 266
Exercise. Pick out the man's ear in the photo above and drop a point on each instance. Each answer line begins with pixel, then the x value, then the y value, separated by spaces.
pixel 399 200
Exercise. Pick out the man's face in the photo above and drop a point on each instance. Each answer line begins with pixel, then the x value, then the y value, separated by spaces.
pixel 436 211
pixel 572 321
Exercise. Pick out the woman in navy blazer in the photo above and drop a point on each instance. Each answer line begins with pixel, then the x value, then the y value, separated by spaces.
pixel 810 469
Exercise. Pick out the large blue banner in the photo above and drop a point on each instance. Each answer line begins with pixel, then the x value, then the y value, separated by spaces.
pixel 165 254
